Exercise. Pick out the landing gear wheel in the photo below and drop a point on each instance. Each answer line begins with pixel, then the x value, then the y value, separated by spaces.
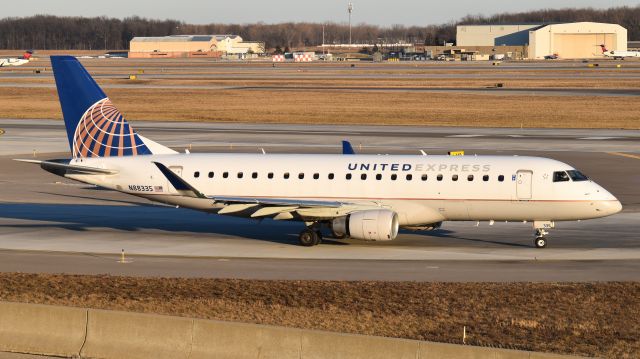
pixel 338 236
pixel 308 238
pixel 319 237
pixel 540 242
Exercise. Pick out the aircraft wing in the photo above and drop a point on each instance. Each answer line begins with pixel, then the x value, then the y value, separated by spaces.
pixel 259 207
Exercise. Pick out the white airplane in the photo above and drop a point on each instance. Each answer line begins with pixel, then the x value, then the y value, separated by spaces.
pixel 16 61
pixel 621 55
pixel 366 197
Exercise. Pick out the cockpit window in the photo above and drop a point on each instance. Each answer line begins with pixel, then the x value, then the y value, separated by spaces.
pixel 577 176
pixel 560 176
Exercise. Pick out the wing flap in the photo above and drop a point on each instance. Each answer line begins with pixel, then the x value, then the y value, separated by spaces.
pixel 266 201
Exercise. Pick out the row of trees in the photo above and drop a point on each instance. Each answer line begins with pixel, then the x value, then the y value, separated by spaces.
pixel 80 33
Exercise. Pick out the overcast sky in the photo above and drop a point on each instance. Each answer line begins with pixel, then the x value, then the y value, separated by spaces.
pixel 379 12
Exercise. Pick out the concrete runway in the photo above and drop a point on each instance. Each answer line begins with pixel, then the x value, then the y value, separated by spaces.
pixel 45 224
pixel 484 91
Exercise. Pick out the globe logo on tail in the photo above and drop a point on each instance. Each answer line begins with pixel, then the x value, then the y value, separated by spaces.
pixel 104 132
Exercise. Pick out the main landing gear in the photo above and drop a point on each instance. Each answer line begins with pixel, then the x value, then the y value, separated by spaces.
pixel 310 236
pixel 540 241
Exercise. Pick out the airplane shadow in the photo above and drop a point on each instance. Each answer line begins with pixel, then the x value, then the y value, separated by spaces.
pixel 141 217
pixel 83 218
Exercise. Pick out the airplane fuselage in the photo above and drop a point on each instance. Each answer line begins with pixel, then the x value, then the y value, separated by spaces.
pixel 421 189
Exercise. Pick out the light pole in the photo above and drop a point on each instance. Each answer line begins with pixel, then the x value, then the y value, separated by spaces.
pixel 350 9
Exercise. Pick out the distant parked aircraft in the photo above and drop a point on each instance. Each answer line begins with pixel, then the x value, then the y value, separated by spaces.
pixel 618 54
pixel 16 61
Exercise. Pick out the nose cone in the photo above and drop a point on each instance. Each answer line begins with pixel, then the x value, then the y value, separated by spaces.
pixel 608 208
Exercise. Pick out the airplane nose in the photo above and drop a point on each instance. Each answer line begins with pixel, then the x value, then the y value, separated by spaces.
pixel 616 207
pixel 611 207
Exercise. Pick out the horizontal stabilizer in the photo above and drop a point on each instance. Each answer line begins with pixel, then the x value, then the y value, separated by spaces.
pixel 61 168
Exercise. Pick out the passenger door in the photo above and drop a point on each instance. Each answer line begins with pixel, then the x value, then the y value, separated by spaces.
pixel 524 183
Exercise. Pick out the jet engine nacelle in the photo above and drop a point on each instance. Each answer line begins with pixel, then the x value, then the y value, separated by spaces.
pixel 370 225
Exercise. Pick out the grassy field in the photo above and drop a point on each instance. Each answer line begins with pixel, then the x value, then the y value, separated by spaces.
pixel 595 319
pixel 344 107
pixel 309 93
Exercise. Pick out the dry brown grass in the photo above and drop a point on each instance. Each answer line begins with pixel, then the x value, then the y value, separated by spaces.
pixel 588 319
pixel 345 107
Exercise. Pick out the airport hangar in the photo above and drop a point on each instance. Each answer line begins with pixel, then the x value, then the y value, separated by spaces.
pixel 577 40
pixel 173 46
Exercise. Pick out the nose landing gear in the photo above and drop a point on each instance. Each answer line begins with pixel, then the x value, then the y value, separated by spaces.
pixel 540 241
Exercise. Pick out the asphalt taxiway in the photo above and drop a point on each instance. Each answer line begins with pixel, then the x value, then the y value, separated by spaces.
pixel 50 224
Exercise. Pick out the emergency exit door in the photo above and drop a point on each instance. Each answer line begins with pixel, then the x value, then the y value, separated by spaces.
pixel 524 184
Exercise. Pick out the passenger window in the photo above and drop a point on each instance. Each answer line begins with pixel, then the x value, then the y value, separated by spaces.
pixel 286 175
pixel 254 175
pixel 409 177
pixel 439 177
pixel 301 175
pixel 485 178
pixel 560 176
pixel 316 175
pixel 225 174
pixel 394 177
pixel 470 178
pixel 379 177
pixel 348 176
pixel 363 176
pixel 331 176
pixel 454 177
pixel 501 178
pixel 196 174
pixel 425 177
pixel 270 175
pixel 240 174
pixel 210 174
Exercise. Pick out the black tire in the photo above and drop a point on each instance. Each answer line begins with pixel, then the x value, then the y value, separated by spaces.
pixel 319 237
pixel 540 242
pixel 308 238
pixel 338 236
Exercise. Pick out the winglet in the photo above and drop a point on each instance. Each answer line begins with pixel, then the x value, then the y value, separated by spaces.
pixel 177 182
pixel 347 149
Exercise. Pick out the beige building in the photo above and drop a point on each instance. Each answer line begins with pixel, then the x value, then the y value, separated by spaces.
pixel 233 44
pixel 193 46
pixel 580 40
pixel 172 45
pixel 569 40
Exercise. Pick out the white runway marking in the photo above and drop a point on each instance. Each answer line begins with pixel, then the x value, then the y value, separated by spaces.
pixel 466 136
pixel 600 138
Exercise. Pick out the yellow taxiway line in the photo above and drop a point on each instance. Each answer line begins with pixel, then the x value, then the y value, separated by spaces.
pixel 629 155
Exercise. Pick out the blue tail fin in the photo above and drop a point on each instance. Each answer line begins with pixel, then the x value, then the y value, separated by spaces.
pixel 95 127
pixel 347 149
